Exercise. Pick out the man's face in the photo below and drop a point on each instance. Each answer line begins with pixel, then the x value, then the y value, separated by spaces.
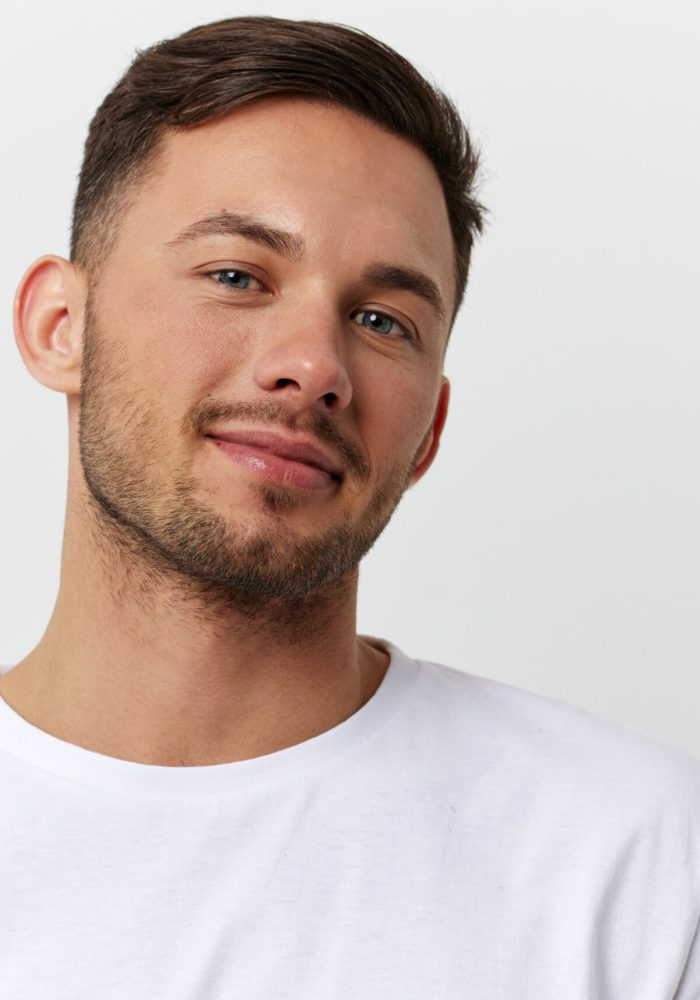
pixel 207 320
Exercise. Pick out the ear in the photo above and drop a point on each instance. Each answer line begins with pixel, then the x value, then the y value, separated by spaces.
pixel 431 443
pixel 48 318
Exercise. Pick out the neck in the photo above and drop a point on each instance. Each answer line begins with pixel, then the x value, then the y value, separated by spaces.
pixel 140 663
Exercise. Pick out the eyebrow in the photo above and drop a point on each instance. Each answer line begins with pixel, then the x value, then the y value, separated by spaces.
pixel 230 224
pixel 406 279
pixel 291 245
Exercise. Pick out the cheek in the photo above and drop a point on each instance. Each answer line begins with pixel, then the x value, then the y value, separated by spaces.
pixel 395 408
pixel 173 339
pixel 187 353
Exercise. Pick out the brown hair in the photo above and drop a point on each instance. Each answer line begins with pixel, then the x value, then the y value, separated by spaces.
pixel 212 69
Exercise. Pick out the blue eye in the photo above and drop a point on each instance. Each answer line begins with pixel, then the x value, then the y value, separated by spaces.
pixel 233 278
pixel 379 322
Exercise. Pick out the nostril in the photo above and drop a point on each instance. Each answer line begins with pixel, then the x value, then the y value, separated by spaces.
pixel 282 382
pixel 330 399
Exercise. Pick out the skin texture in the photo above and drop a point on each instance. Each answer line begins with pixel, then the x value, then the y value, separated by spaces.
pixel 206 613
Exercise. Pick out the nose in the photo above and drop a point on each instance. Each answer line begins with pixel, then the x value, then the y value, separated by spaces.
pixel 301 360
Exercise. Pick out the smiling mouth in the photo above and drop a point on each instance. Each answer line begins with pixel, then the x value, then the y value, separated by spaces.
pixel 296 468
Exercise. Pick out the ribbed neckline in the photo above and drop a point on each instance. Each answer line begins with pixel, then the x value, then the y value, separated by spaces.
pixel 26 742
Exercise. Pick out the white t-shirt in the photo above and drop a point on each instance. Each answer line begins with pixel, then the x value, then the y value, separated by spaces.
pixel 454 838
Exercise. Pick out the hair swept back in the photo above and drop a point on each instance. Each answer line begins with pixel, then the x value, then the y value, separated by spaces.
pixel 212 69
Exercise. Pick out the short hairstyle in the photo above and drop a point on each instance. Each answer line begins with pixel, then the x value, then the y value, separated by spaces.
pixel 212 69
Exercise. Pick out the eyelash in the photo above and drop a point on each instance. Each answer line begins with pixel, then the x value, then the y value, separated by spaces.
pixel 405 332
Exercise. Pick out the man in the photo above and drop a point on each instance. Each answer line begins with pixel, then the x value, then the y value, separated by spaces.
pixel 213 787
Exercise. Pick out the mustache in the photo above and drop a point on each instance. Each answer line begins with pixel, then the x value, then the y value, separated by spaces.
pixel 314 423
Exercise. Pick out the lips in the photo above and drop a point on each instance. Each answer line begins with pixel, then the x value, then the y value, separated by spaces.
pixel 295 462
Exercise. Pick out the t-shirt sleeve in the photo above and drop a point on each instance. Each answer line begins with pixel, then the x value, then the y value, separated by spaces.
pixel 689 985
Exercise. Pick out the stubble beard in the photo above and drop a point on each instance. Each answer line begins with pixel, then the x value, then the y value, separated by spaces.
pixel 143 516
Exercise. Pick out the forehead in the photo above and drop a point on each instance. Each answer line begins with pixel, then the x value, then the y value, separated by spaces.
pixel 342 182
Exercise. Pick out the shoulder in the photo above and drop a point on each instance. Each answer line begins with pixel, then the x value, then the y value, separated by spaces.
pixel 549 743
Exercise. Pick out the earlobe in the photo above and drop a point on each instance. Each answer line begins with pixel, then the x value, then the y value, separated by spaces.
pixel 48 320
pixel 431 443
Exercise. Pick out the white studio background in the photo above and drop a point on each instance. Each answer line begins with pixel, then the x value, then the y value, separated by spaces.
pixel 555 543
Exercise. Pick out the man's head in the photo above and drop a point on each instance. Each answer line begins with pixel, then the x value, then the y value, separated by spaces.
pixel 215 68
pixel 281 273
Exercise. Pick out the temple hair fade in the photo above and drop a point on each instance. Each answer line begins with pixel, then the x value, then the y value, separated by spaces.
pixel 212 69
